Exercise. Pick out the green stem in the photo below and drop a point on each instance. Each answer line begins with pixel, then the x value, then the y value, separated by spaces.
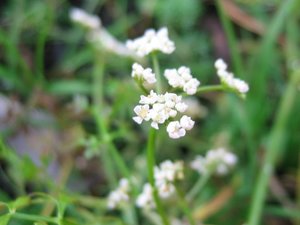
pixel 112 154
pixel 239 71
pixel 237 62
pixel 157 72
pixel 274 145
pixel 35 218
pixel 184 206
pixel 40 45
pixel 198 187
pixel 209 88
pixel 98 105
pixel 150 167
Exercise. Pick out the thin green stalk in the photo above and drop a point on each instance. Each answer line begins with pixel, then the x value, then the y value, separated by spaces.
pixel 98 104
pixel 157 72
pixel 150 167
pixel 233 46
pixel 112 154
pixel 198 187
pixel 260 62
pixel 298 188
pixel 239 71
pixel 35 218
pixel 274 146
pixel 184 206
pixel 209 88
pixel 40 47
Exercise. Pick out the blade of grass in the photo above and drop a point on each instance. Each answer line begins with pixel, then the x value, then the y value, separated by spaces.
pixel 274 146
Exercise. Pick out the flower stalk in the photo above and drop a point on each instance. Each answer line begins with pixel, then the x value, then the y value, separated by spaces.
pixel 157 72
pixel 150 168
pixel 184 205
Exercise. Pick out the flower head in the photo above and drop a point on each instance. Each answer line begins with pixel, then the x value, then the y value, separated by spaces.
pixel 182 78
pixel 217 161
pixel 146 76
pixel 165 175
pixel 158 108
pixel 228 78
pixel 152 41
pixel 120 195
pixel 145 199
pixel 89 21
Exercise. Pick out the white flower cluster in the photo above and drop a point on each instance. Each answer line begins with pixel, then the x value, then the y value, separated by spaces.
pixel 85 19
pixel 217 161
pixel 120 195
pixel 145 199
pixel 182 78
pixel 161 107
pixel 152 41
pixel 98 35
pixel 177 129
pixel 228 78
pixel 165 175
pixel 146 76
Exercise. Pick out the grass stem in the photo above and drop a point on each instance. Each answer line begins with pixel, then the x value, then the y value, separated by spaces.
pixel 274 146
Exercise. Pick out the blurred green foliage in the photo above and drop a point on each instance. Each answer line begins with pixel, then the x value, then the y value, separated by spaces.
pixel 45 61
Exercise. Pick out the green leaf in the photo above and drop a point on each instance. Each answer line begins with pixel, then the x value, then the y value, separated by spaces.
pixel 4 219
pixel 19 202
pixel 69 87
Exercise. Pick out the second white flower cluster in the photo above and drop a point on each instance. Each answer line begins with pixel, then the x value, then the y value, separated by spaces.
pixel 165 175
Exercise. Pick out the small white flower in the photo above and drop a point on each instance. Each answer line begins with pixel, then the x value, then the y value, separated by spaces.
pixel 217 161
pixel 228 78
pixel 145 199
pixel 152 41
pixel 145 75
pixel 165 175
pixel 142 112
pixel 175 130
pixel 182 78
pixel 85 19
pixel 181 107
pixel 120 195
pixel 191 86
pixel 220 64
pixel 186 122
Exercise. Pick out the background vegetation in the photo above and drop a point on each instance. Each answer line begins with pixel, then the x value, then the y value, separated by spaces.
pixel 48 146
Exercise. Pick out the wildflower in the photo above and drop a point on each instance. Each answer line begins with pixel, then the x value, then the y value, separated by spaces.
pixel 217 161
pixel 165 175
pixel 85 19
pixel 142 112
pixel 152 41
pixel 158 108
pixel 145 199
pixel 186 122
pixel 182 78
pixel 177 129
pixel 228 78
pixel 98 35
pixel 144 75
pixel 120 195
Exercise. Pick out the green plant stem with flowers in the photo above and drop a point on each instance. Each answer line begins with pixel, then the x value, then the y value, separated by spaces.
pixel 151 151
